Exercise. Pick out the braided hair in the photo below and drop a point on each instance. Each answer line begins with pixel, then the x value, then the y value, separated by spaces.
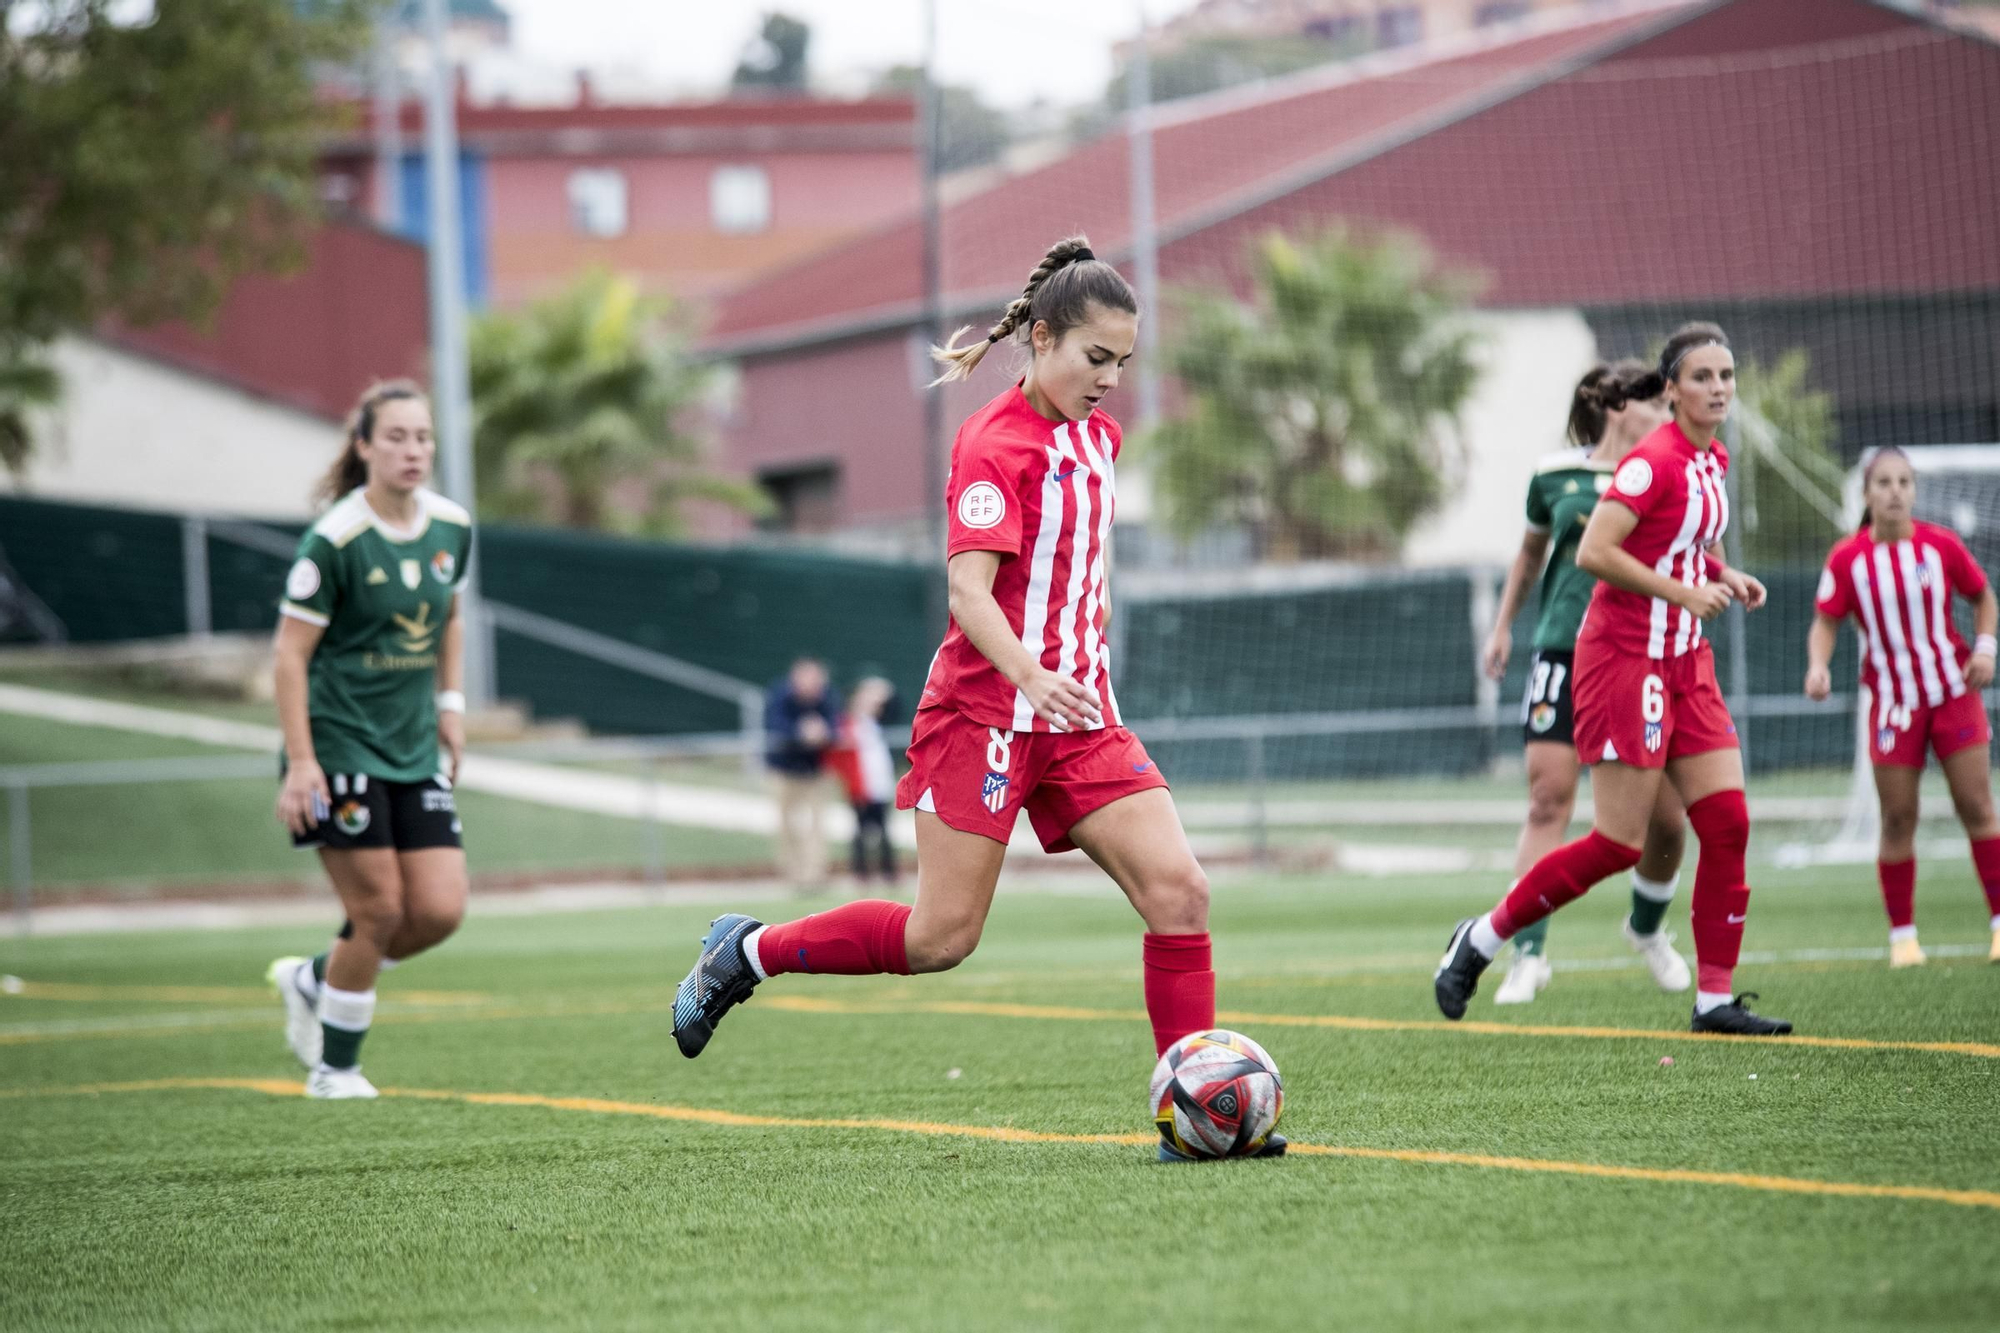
pixel 1061 290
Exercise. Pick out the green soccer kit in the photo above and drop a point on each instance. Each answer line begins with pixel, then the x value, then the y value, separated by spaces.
pixel 1561 496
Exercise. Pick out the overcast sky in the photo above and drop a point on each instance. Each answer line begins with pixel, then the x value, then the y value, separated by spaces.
pixel 1013 51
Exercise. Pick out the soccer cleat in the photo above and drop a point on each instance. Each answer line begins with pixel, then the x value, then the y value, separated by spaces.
pixel 1525 980
pixel 339 1084
pixel 1273 1147
pixel 1906 953
pixel 302 1029
pixel 721 979
pixel 1456 980
pixel 1670 970
pixel 1736 1019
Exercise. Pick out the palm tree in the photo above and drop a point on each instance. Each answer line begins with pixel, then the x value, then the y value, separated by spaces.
pixel 1323 413
pixel 582 406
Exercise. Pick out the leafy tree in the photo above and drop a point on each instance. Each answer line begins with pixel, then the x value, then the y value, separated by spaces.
pixel 148 161
pixel 970 133
pixel 775 59
pixel 581 406
pixel 1323 412
pixel 1790 475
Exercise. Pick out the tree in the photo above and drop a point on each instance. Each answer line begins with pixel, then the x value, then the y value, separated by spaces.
pixel 1790 477
pixel 775 59
pixel 581 406
pixel 1323 413
pixel 147 162
pixel 970 133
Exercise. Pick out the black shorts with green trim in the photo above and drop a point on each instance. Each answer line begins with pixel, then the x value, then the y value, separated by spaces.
pixel 1548 713
pixel 371 812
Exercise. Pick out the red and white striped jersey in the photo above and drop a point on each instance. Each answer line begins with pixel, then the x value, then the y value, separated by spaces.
pixel 1676 490
pixel 1899 593
pixel 1042 494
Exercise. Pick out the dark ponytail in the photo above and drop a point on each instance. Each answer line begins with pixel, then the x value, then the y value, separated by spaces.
pixel 1607 389
pixel 348 470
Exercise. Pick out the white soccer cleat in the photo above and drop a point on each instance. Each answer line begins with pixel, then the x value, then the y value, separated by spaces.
pixel 1906 953
pixel 1670 970
pixel 302 1030
pixel 1525 980
pixel 339 1084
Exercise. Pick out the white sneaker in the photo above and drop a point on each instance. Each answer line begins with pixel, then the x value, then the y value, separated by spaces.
pixel 302 1030
pixel 1670 970
pixel 335 1084
pixel 1525 979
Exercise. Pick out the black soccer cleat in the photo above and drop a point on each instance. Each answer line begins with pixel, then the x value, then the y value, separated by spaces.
pixel 1736 1019
pixel 721 979
pixel 1457 977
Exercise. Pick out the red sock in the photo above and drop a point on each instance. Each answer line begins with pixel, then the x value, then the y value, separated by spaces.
pixel 1180 986
pixel 856 939
pixel 1899 890
pixel 1721 900
pixel 1986 860
pixel 1561 877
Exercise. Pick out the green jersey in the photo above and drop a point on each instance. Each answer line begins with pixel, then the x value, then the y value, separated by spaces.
pixel 383 597
pixel 1564 490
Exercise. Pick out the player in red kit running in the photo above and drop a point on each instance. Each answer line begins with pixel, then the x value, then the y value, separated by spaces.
pixel 1647 704
pixel 1018 711
pixel 1895 577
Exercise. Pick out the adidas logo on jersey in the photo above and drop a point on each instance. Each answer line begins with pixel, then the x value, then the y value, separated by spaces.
pixel 376 576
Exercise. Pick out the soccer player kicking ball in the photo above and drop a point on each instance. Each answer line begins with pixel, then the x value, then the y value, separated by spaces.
pixel 1017 713
pixel 369 662
pixel 1647 703
pixel 1895 577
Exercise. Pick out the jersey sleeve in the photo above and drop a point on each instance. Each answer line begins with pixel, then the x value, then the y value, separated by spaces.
pixel 1967 578
pixel 464 560
pixel 312 585
pixel 1835 597
pixel 983 501
pixel 1539 515
pixel 1643 484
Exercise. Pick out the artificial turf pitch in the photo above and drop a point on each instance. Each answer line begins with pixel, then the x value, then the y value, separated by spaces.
pixel 968 1151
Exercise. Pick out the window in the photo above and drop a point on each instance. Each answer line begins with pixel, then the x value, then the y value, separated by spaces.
pixel 739 199
pixel 1398 25
pixel 805 498
pixel 1500 11
pixel 597 201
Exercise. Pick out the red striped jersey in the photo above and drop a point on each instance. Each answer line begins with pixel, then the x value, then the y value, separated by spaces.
pixel 1899 594
pixel 1042 494
pixel 1676 490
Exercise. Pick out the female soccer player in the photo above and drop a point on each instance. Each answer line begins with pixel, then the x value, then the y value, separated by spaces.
pixel 1613 408
pixel 1895 577
pixel 1647 698
pixel 368 686
pixel 1017 712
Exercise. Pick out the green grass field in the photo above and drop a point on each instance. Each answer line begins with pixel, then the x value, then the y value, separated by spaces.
pixel 841 1157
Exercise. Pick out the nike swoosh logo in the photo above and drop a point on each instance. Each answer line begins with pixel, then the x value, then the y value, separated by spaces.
pixel 1141 768
pixel 1061 475
pixel 1738 920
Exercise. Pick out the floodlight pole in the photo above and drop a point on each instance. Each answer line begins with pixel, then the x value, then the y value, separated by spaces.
pixel 1145 235
pixel 388 112
pixel 933 332
pixel 451 392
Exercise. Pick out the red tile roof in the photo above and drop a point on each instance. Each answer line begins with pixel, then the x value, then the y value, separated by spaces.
pixel 1699 136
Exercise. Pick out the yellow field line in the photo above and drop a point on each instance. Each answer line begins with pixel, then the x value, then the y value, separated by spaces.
pixel 63 990
pixel 1009 1134
pixel 1349 1023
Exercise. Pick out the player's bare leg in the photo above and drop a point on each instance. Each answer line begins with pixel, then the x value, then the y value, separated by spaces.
pixel 1654 880
pixel 435 889
pixel 1969 773
pixel 369 881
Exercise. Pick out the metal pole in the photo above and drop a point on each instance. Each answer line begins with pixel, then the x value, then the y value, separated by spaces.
pixel 20 855
pixel 1739 647
pixel 194 575
pixel 1485 609
pixel 388 128
pixel 451 388
pixel 652 851
pixel 1145 236
pixel 929 137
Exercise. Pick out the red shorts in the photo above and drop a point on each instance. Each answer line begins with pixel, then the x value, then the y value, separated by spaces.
pixel 978 779
pixel 1644 711
pixel 1950 727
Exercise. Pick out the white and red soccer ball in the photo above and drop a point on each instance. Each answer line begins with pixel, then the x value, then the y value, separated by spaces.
pixel 1216 1094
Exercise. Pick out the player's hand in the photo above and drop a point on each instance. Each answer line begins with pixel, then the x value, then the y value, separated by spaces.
pixel 1979 671
pixel 1743 588
pixel 1063 703
pixel 1499 647
pixel 451 738
pixel 1819 681
pixel 1707 601
pixel 303 800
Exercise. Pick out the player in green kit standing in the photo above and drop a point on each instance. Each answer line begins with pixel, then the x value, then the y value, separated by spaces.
pixel 1612 409
pixel 368 680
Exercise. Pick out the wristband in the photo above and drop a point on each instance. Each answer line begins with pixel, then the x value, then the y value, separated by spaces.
pixel 451 701
pixel 1985 643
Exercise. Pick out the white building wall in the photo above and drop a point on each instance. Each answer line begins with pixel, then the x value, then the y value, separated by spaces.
pixel 131 431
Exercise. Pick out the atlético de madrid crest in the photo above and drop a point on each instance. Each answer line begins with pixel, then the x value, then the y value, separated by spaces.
pixel 994 791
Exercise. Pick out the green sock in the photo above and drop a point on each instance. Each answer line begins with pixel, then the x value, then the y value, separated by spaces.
pixel 1649 902
pixel 340 1048
pixel 1532 940
pixel 319 968
pixel 344 1018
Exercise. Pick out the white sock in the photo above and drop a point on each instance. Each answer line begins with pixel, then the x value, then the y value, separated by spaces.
pixel 1899 933
pixel 1655 890
pixel 388 963
pixel 750 954
pixel 348 1010
pixel 1484 938
pixel 1995 922
pixel 1705 1000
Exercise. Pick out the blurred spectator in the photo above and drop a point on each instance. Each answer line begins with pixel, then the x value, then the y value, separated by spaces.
pixel 862 759
pixel 799 719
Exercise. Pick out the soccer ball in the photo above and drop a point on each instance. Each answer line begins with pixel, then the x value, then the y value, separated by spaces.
pixel 1216 1094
